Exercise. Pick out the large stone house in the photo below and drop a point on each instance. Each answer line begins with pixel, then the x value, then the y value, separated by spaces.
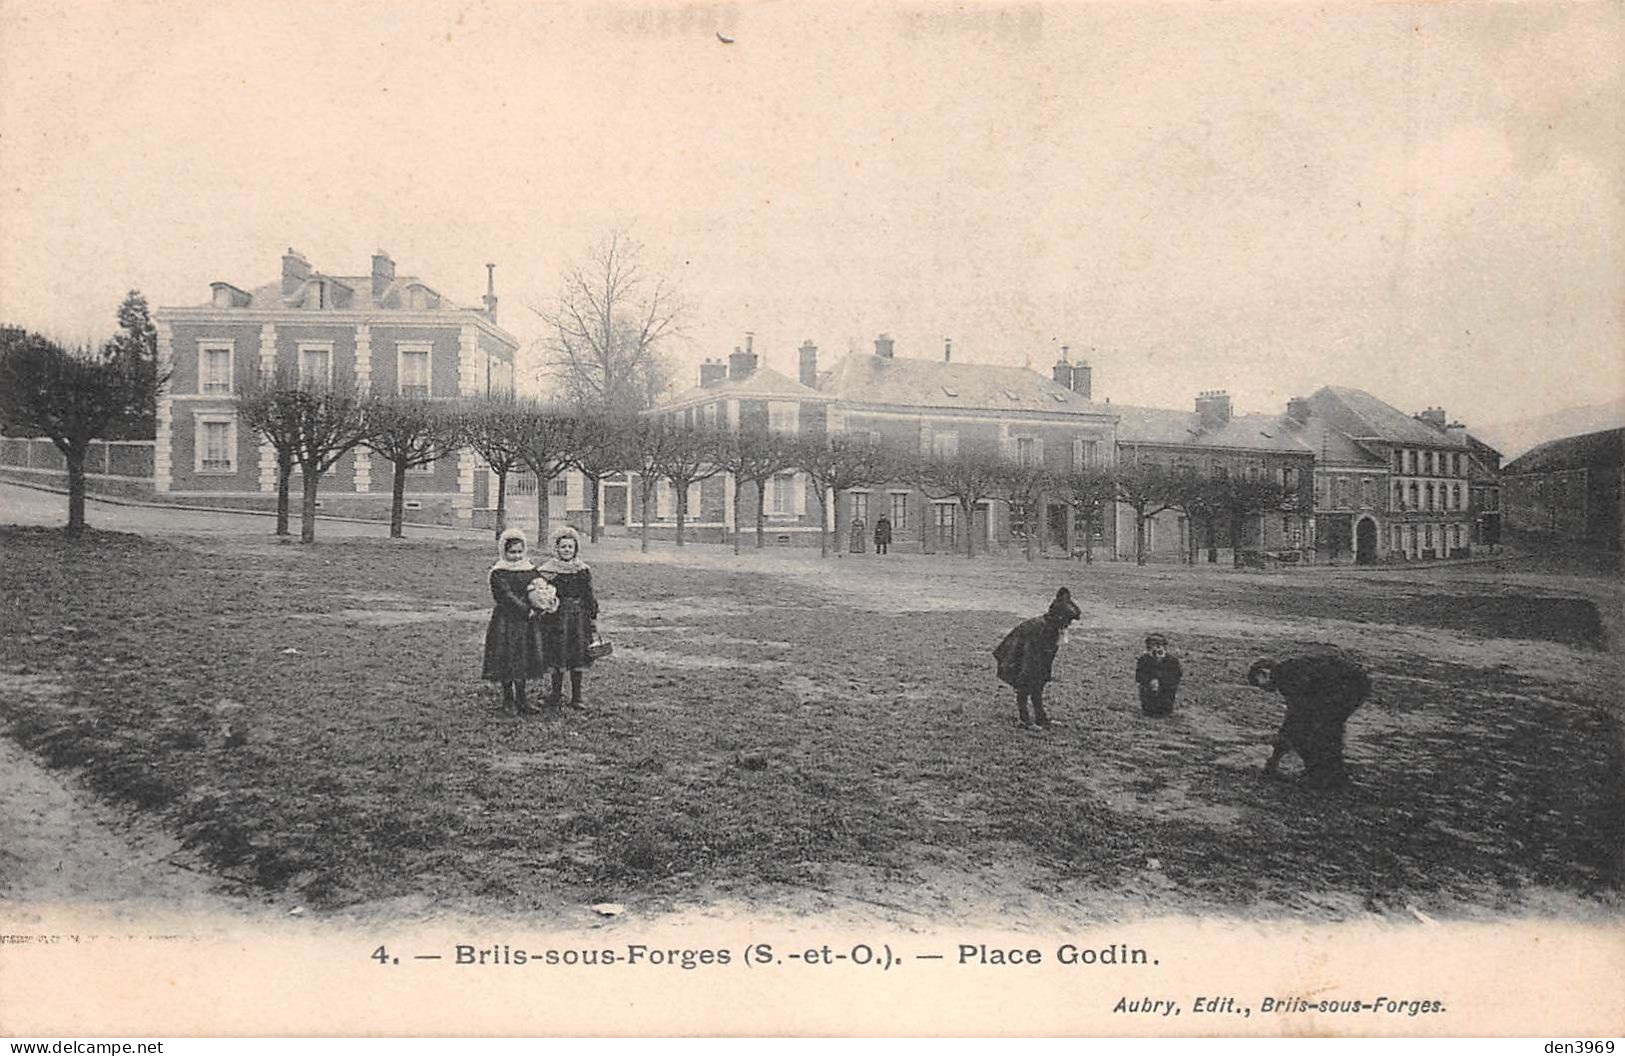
pixel 387 332
pixel 938 406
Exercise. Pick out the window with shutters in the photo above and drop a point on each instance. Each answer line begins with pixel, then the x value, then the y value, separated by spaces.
pixel 945 444
pixel 414 369
pixel 784 416
pixel 215 368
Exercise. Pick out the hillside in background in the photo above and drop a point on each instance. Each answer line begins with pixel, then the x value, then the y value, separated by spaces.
pixel 1514 438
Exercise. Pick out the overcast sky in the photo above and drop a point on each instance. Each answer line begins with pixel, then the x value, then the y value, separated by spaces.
pixel 1422 200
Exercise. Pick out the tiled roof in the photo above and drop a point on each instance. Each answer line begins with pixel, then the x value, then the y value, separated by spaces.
pixel 1605 448
pixel 763 383
pixel 1250 432
pixel 1385 422
pixel 1331 445
pixel 924 383
pixel 270 295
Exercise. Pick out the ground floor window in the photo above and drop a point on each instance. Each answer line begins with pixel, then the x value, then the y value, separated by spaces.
pixel 860 506
pixel 899 511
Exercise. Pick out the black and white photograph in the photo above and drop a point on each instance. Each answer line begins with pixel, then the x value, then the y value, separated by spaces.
pixel 793 519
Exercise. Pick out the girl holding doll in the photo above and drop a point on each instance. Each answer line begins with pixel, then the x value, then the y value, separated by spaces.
pixel 513 651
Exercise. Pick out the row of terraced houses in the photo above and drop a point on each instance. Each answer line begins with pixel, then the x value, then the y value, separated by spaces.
pixel 1376 483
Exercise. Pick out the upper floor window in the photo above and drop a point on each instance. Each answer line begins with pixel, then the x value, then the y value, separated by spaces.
pixel 417 298
pixel 1085 453
pixel 1029 451
pixel 316 364
pixel 214 368
pixel 1410 461
pixel 784 416
pixel 414 370
pixel 945 444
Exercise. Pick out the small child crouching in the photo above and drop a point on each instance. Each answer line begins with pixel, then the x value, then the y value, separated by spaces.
pixel 1158 675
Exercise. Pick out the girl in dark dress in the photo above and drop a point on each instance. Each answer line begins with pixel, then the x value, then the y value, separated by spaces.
pixel 567 633
pixel 512 645
pixel 1026 657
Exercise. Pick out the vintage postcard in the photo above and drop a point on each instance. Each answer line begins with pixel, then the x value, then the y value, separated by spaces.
pixel 922 518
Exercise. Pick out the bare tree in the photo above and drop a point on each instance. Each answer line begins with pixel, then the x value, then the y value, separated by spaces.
pixel 272 405
pixel 690 456
pixel 408 431
pixel 606 332
pixel 754 457
pixel 970 477
pixel 494 428
pixel 547 440
pixel 1024 487
pixel 1203 501
pixel 70 398
pixel 837 463
pixel 603 446
pixel 1089 493
pixel 650 447
pixel 1243 498
pixel 1146 491
pixel 331 422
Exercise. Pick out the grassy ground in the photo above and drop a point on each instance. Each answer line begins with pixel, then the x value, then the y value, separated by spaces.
pixel 793 733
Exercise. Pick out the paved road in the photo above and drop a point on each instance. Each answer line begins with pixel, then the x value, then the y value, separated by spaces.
pixel 29 506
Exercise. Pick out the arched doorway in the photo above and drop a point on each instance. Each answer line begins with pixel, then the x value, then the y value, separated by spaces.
pixel 1365 542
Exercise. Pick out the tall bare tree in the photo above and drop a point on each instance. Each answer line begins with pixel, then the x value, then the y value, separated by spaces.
pixel 603 446
pixel 71 398
pixel 650 449
pixel 1024 487
pixel 1090 493
pixel 547 441
pixel 606 332
pixel 1146 491
pixel 969 477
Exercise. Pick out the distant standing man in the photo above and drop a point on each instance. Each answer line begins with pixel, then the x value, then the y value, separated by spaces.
pixel 1321 693
pixel 882 534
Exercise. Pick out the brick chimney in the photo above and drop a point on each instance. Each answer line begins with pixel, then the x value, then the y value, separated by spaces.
pixel 1458 432
pixel 1062 371
pixel 1434 416
pixel 1297 409
pixel 883 346
pixel 947 350
pixel 490 290
pixel 713 372
pixel 1081 380
pixel 808 374
pixel 741 364
pixel 383 273
pixel 1213 408
pixel 295 270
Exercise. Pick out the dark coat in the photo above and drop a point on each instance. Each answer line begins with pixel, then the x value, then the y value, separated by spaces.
pixel 882 531
pixel 567 632
pixel 1321 692
pixel 1167 673
pixel 1027 654
pixel 512 639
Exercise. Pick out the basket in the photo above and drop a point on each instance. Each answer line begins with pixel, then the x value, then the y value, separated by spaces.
pixel 600 647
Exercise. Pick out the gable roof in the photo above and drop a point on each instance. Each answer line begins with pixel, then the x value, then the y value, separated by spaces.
pixel 1382 421
pixel 1243 432
pixel 763 383
pixel 1332 446
pixel 1605 448
pixel 861 378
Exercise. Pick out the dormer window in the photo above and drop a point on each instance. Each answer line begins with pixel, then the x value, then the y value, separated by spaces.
pixel 418 298
pixel 946 391
pixel 1010 395
pixel 1058 397
pixel 316 295
pixel 222 297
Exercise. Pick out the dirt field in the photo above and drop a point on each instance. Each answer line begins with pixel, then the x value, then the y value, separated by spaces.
pixel 792 735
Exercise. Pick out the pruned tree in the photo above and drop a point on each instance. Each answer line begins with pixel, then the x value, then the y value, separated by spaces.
pixel 607 330
pixel 1245 498
pixel 331 422
pixel 71 398
pixel 1203 501
pixel 1025 486
pixel 1090 492
pixel 408 432
pixel 603 447
pixel 969 477
pixel 837 463
pixel 650 447
pixel 547 439
pixel 271 405
pixel 690 456
pixel 494 427
pixel 754 457
pixel 1146 491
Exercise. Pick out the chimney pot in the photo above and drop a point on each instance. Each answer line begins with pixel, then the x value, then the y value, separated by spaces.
pixel 295 270
pixel 1081 380
pixel 808 373
pixel 1213 407
pixel 947 350
pixel 884 346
